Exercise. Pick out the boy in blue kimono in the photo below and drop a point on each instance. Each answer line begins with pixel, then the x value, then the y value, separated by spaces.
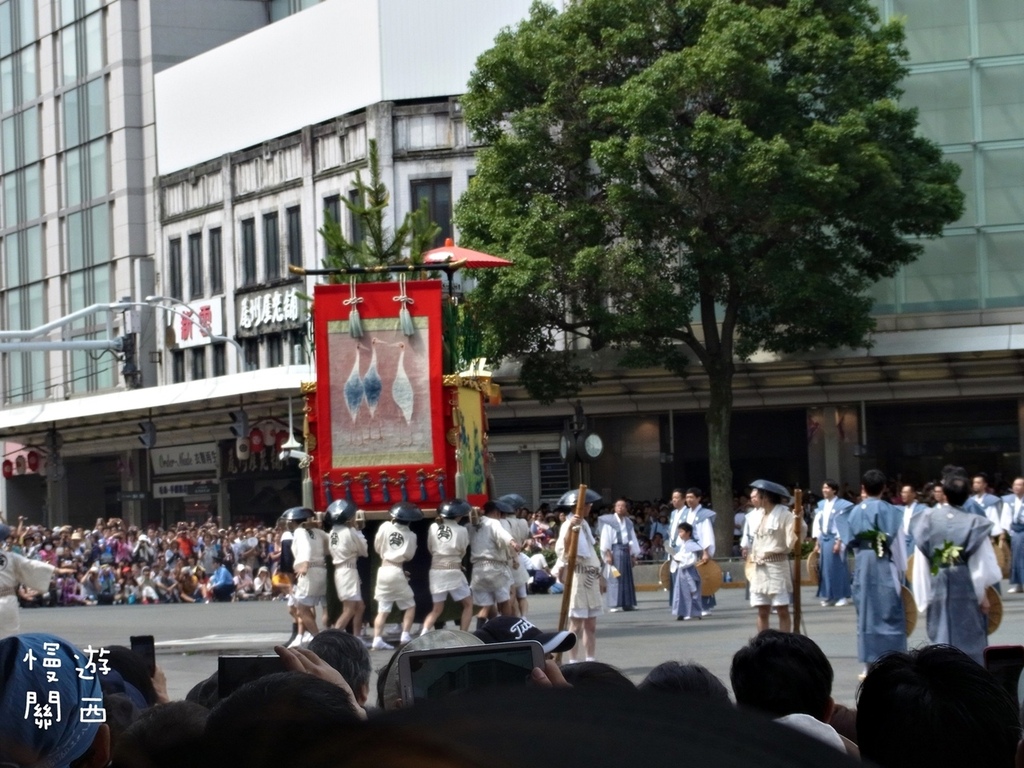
pixel 686 597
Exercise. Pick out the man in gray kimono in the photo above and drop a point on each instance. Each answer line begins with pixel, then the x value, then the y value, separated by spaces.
pixel 954 562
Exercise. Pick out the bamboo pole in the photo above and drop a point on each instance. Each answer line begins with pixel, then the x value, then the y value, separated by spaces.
pixel 798 519
pixel 571 546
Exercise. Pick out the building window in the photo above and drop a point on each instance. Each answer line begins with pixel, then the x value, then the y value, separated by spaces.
pixel 17 24
pixel 275 353
pixel 20 133
pixel 198 363
pixel 355 224
pixel 251 353
pixel 177 365
pixel 18 81
pixel 195 265
pixel 271 247
pixel 174 268
pixel 294 223
pixel 332 207
pixel 296 341
pixel 81 46
pixel 436 195
pixel 85 172
pixel 216 263
pixel 25 307
pixel 220 359
pixel 248 251
pixel 76 9
pixel 85 113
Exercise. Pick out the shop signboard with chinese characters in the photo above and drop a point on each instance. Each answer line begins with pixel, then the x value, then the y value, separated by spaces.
pixel 177 489
pixel 194 322
pixel 269 310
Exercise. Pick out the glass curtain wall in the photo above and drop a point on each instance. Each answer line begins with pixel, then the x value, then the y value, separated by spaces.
pixel 967 82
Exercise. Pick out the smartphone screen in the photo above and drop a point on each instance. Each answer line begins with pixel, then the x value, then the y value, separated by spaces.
pixel 235 671
pixel 1005 662
pixel 144 646
pixel 425 675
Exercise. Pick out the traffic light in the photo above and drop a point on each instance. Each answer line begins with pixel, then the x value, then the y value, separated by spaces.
pixel 239 424
pixel 148 436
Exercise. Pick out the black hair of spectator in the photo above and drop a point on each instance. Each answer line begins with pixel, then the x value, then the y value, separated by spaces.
pixel 132 667
pixel 345 653
pixel 956 485
pixel 120 712
pixel 695 679
pixel 164 736
pixel 873 481
pixel 935 706
pixel 782 673
pixel 259 725
pixel 206 693
pixel 589 675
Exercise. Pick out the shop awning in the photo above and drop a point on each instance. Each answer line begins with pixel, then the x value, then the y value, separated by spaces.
pixel 191 406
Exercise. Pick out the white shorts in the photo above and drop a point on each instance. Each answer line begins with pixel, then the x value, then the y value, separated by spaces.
pixel 520 590
pixel 346 584
pixel 584 613
pixel 780 598
pixel 458 594
pixel 311 601
pixel 385 606
pixel 490 584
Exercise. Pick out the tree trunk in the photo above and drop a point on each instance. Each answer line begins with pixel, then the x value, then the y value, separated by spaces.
pixel 719 420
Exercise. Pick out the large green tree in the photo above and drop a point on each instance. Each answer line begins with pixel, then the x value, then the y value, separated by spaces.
pixel 692 181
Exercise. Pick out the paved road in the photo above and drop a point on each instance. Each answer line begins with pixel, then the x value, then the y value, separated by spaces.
pixel 189 637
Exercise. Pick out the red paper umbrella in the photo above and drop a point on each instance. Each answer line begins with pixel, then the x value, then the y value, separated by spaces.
pixel 465 257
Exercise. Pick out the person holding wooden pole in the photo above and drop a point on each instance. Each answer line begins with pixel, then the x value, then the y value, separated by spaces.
pixel 579 570
pixel 771 524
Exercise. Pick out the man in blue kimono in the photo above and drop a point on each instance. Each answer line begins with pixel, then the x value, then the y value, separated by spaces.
pixel 953 564
pixel 874 530
pixel 1013 504
pixel 834 583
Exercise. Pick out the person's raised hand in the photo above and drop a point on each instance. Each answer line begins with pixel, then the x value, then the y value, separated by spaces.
pixel 302 660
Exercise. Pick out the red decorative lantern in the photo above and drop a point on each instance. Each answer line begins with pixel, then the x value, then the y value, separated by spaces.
pixel 280 439
pixel 8 468
pixel 33 461
pixel 256 439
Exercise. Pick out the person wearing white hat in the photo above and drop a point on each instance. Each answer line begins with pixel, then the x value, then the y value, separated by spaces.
pixel 771 526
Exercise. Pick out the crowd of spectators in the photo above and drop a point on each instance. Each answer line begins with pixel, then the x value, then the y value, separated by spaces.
pixel 932 706
pixel 120 564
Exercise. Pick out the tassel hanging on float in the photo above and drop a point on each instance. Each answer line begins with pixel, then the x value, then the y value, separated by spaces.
pixel 404 316
pixel 355 322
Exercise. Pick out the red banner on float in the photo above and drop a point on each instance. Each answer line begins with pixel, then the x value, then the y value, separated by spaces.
pixel 378 415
